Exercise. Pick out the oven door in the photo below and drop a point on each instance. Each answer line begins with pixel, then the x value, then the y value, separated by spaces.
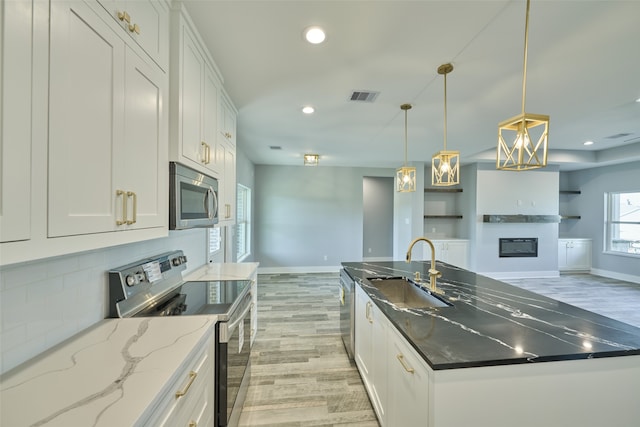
pixel 193 199
pixel 232 364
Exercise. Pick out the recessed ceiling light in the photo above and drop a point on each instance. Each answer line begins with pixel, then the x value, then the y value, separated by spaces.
pixel 308 109
pixel 314 35
pixel 588 143
pixel 638 100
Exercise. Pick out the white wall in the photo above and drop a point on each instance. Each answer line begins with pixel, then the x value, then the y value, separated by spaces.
pixel 44 302
pixel 593 184
pixel 510 193
pixel 303 214
pixel 377 206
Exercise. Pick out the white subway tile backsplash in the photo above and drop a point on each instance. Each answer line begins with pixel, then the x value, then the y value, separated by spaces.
pixel 45 302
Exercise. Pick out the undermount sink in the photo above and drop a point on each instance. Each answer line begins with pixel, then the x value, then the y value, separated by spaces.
pixel 404 293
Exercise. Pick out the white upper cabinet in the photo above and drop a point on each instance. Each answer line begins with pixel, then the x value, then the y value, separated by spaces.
pixel 227 121
pixel 107 129
pixel 195 103
pixel 146 22
pixel 15 120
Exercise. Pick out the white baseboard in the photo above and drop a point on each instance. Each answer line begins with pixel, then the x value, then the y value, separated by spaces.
pixel 298 270
pixel 618 276
pixel 377 258
pixel 510 275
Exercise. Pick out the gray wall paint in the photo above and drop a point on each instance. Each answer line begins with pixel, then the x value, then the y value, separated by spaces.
pixel 377 217
pixel 303 214
pixel 506 192
pixel 593 184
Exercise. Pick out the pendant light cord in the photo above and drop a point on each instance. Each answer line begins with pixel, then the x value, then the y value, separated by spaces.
pixel 445 112
pixel 405 137
pixel 526 45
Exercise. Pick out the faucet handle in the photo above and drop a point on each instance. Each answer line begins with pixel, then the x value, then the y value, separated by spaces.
pixel 434 272
pixel 416 276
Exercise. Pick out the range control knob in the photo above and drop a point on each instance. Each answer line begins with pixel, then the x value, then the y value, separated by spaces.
pixel 130 280
pixel 176 262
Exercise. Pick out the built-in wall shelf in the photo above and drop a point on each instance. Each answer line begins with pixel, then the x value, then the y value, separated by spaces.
pixel 444 216
pixel 562 217
pixel 570 192
pixel 443 190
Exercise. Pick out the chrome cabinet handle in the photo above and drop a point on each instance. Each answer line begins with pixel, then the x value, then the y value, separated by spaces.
pixel 124 207
pixel 368 312
pixel 404 364
pixel 192 377
pixel 135 207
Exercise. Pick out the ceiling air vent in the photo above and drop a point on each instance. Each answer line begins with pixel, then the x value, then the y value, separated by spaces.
pixel 618 135
pixel 363 96
pixel 275 147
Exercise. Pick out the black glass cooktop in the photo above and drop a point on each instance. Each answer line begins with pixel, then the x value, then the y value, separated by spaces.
pixel 214 297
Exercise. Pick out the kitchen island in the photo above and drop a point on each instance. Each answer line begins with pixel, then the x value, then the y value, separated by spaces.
pixel 501 355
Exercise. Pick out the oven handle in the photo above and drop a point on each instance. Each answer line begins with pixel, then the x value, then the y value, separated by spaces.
pixel 227 328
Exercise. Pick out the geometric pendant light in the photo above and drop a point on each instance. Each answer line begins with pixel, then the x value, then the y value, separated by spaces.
pixel 405 176
pixel 523 139
pixel 445 165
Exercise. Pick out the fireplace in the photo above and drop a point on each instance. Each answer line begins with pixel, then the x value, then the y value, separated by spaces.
pixel 518 247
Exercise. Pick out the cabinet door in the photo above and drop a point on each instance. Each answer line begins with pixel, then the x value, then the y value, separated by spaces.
pixel 579 255
pixel 456 253
pixel 191 100
pixel 408 403
pixel 210 122
pixel 15 117
pixel 227 120
pixel 146 22
pixel 227 187
pixel 370 338
pixel 141 166
pixel 85 120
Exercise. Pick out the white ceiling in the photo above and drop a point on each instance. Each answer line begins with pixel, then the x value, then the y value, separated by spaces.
pixel 583 71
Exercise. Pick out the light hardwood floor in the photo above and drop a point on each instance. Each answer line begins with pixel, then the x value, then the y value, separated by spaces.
pixel 301 375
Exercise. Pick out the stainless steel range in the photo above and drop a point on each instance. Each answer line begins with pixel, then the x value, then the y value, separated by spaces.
pixel 154 287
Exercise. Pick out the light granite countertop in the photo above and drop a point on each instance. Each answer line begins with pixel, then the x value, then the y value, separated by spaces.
pixel 223 271
pixel 112 374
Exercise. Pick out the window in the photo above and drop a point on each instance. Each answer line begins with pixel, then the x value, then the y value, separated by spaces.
pixel 243 223
pixel 623 223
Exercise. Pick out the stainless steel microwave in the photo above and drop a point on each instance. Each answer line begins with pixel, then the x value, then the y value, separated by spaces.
pixel 193 198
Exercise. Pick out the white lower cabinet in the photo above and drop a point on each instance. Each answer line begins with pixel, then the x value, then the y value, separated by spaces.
pixel 574 254
pixel 395 376
pixel 370 351
pixel 451 251
pixel 189 400
pixel 408 384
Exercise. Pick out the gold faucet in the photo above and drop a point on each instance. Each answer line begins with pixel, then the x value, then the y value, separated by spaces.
pixel 433 273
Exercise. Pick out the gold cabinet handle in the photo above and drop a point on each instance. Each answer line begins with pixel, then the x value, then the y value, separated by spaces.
pixel 192 377
pixel 124 207
pixel 404 364
pixel 193 424
pixel 134 28
pixel 368 311
pixel 124 16
pixel 135 207
pixel 227 211
pixel 206 153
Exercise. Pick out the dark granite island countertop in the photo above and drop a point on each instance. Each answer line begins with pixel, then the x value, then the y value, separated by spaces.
pixel 492 323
